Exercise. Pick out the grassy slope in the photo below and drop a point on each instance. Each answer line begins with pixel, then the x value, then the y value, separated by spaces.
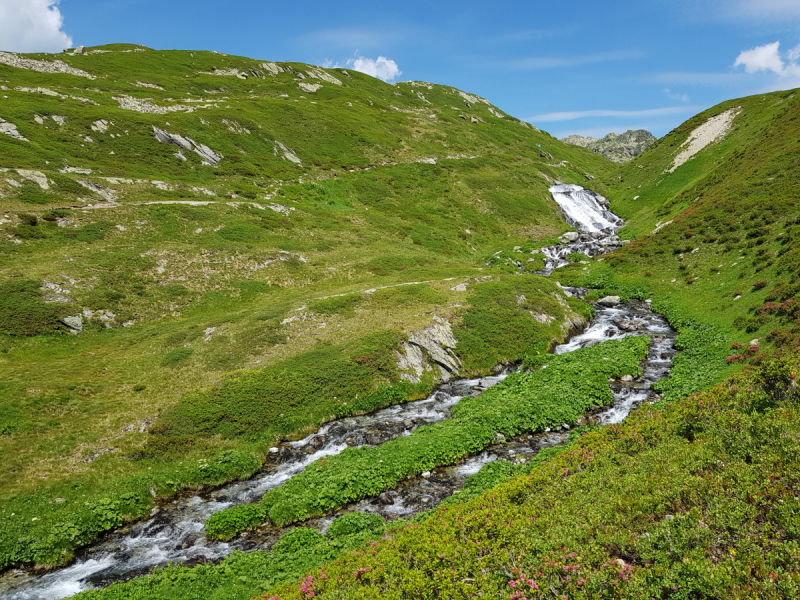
pixel 208 288
pixel 697 497
pixel 703 505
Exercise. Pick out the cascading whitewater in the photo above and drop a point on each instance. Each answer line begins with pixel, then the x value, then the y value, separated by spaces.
pixel 588 212
pixel 585 210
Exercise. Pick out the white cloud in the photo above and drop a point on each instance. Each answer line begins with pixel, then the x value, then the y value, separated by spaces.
pixel 381 67
pixel 761 58
pixel 559 62
pixel 582 114
pixel 32 26
pixel 768 58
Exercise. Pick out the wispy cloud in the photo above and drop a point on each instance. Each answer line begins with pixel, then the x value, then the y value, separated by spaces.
pixel 624 114
pixel 676 96
pixel 32 26
pixel 696 78
pixel 350 37
pixel 767 9
pixel 556 62
pixel 527 35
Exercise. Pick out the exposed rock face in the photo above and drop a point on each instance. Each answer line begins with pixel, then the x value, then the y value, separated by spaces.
pixel 104 192
pixel 11 130
pixel 75 323
pixel 434 344
pixel 617 147
pixel 42 66
pixel 309 87
pixel 323 76
pixel 287 153
pixel 207 154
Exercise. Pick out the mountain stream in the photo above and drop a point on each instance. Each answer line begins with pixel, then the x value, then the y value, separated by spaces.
pixel 174 533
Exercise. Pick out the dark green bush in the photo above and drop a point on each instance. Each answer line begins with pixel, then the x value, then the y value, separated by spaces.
pixel 23 310
pixel 354 522
pixel 176 356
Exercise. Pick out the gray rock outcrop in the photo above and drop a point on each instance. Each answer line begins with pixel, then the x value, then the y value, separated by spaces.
pixel 75 323
pixel 208 156
pixel 42 66
pixel 617 147
pixel 11 130
pixel 433 346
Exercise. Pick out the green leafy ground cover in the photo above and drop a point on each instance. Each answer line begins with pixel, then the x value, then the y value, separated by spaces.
pixel 561 393
pixel 694 499
pixel 241 575
pixel 211 287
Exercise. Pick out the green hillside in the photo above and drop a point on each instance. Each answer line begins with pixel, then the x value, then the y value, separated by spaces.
pixel 234 304
pixel 225 306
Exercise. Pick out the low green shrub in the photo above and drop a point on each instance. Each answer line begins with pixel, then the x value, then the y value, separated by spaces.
pixel 24 312
pixel 335 304
pixel 354 522
pixel 176 356
pixel 523 403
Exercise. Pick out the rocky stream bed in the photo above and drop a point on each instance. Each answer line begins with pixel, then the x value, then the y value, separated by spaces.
pixel 174 533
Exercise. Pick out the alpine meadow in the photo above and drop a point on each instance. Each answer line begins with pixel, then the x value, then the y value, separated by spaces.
pixel 272 330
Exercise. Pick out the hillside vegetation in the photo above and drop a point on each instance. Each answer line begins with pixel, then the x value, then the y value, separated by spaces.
pixel 228 339
pixel 201 255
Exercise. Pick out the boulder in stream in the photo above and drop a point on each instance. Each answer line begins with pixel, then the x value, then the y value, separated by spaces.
pixel 609 301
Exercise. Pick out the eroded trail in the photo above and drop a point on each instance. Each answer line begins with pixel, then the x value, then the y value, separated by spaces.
pixel 175 533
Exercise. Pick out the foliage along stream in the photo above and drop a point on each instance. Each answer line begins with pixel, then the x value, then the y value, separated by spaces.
pixel 175 533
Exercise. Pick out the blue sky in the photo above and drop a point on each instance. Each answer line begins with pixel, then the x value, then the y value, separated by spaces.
pixel 572 66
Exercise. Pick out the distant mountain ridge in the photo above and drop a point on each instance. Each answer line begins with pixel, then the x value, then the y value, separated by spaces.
pixel 617 147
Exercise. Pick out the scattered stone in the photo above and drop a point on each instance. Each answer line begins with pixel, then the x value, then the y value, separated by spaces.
pixel 571 236
pixel 280 208
pixel 101 125
pixel 461 287
pixel 79 50
pixel 426 474
pixel 42 66
pixel 78 170
pixel 754 342
pixel 146 105
pixel 147 85
pixel 273 69
pixel 499 438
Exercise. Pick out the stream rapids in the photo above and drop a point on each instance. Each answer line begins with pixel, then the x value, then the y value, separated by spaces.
pixel 174 533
